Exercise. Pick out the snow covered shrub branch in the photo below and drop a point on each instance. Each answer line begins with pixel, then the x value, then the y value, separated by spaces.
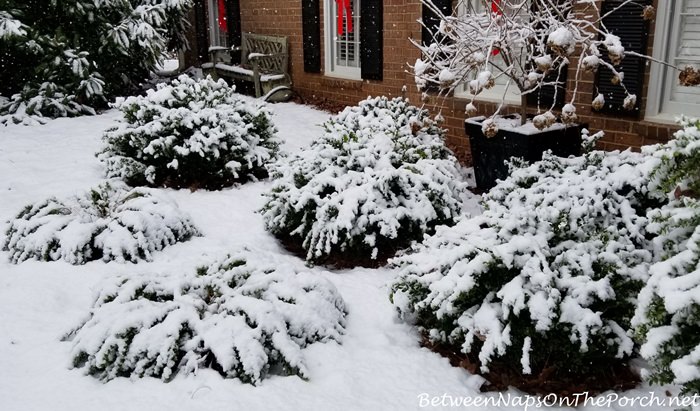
pixel 34 105
pixel 547 277
pixel 530 43
pixel 679 171
pixel 86 53
pixel 190 133
pixel 243 317
pixel 110 222
pixel 11 27
pixel 668 315
pixel 378 178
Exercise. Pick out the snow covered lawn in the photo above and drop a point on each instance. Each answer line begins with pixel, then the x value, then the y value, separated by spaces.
pixel 379 365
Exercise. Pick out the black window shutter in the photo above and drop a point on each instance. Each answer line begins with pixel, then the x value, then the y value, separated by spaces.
pixel 371 39
pixel 628 24
pixel 431 22
pixel 545 96
pixel 311 31
pixel 201 31
pixel 233 20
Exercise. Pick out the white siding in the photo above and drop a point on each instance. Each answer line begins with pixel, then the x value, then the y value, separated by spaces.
pixel 684 50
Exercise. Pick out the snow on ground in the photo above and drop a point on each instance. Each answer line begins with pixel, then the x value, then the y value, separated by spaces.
pixel 169 65
pixel 379 366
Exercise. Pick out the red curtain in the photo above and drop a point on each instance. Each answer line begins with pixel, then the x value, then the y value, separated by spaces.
pixel 496 8
pixel 223 25
pixel 344 7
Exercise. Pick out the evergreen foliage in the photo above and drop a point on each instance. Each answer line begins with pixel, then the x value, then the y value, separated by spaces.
pixel 109 222
pixel 244 317
pixel 546 280
pixel 66 58
pixel 379 178
pixel 190 133
pixel 668 316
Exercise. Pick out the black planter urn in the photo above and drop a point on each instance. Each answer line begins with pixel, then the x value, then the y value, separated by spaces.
pixel 489 155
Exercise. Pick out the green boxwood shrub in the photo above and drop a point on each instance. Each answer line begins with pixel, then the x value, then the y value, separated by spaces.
pixel 109 222
pixel 544 283
pixel 243 316
pixel 668 316
pixel 377 179
pixel 190 133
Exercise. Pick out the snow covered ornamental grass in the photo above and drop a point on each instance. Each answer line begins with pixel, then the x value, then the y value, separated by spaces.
pixel 543 285
pixel 243 317
pixel 190 133
pixel 668 316
pixel 109 222
pixel 379 178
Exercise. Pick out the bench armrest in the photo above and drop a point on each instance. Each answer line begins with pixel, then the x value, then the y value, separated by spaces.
pixel 254 56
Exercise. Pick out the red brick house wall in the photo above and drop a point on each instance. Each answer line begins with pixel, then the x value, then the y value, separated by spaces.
pixel 284 17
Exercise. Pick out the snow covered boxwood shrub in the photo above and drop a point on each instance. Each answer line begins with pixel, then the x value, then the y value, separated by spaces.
pixel 668 317
pixel 190 133
pixel 378 178
pixel 243 317
pixel 544 282
pixel 109 222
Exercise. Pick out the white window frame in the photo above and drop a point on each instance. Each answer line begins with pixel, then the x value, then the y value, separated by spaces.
pixel 216 37
pixel 496 93
pixel 659 107
pixel 330 35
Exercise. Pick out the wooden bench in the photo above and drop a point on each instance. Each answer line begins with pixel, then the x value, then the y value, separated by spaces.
pixel 264 61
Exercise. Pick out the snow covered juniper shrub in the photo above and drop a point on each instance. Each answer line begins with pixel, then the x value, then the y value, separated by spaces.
pixel 109 222
pixel 379 178
pixel 243 317
pixel 544 282
pixel 190 133
pixel 668 316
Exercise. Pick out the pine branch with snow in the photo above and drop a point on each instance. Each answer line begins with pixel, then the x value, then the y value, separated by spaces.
pixel 243 316
pixel 190 133
pixel 379 178
pixel 547 277
pixel 109 222
pixel 668 314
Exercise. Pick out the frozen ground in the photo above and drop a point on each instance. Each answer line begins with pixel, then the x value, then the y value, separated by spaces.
pixel 379 366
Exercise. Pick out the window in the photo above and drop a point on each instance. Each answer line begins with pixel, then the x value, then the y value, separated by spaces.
pixel 342 38
pixel 495 93
pixel 218 26
pixel 677 41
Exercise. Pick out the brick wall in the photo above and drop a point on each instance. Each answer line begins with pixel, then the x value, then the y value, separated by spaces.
pixel 283 17
pixel 400 23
